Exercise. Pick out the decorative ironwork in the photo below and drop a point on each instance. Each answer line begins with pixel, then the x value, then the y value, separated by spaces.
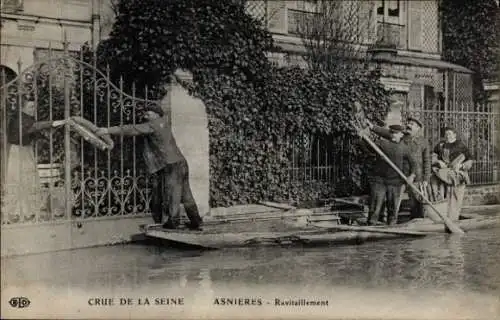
pixel 60 176
pixel 63 176
pixel 320 161
pixel 478 129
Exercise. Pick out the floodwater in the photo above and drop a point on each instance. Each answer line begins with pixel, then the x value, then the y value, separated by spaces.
pixel 442 277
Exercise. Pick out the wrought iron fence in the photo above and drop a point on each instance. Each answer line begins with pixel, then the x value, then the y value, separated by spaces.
pixel 61 176
pixel 300 168
pixel 322 162
pixel 477 126
pixel 51 173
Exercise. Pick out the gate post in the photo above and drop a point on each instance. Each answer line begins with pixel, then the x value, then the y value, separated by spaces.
pixel 399 89
pixel 67 140
pixel 189 122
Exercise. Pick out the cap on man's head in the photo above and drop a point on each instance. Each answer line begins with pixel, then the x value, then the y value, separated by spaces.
pixel 448 128
pixel 395 128
pixel 155 109
pixel 411 119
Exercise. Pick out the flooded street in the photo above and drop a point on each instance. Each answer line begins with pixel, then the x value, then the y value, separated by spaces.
pixel 453 276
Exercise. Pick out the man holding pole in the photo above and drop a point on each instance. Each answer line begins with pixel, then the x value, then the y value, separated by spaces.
pixel 357 122
pixel 419 147
pixel 385 182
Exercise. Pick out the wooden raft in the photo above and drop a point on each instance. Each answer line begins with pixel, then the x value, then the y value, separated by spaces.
pixel 281 225
pixel 288 226
pixel 306 236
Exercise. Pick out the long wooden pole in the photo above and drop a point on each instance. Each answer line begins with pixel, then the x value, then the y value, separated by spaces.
pixel 449 224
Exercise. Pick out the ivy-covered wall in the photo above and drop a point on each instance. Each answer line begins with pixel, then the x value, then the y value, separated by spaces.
pixel 471 38
pixel 253 106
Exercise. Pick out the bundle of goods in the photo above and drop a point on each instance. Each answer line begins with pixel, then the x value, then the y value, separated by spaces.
pixel 88 131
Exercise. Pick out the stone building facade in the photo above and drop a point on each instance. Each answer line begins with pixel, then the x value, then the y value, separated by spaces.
pixel 30 27
pixel 403 38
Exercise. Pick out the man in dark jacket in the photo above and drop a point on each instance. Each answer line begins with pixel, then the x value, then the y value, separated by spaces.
pixel 452 160
pixel 163 158
pixel 385 182
pixel 419 147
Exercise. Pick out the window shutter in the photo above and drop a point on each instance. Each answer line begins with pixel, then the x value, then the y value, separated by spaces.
pixel 351 24
pixel 415 25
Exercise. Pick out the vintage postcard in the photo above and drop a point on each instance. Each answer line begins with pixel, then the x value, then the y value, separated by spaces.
pixel 232 159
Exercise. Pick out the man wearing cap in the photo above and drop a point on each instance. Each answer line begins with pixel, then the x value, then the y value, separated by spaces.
pixel 385 182
pixel 419 147
pixel 164 159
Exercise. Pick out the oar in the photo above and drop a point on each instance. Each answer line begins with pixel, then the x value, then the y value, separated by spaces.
pixel 266 217
pixel 449 224
pixel 396 230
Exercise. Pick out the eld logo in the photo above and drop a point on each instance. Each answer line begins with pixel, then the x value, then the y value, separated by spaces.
pixel 19 302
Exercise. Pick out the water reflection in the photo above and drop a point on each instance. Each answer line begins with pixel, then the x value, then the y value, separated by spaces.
pixel 442 262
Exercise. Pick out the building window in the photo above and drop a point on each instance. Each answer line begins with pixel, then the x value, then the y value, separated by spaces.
pixel 11 6
pixel 306 5
pixel 393 9
pixel 390 29
pixel 389 10
pixel 299 12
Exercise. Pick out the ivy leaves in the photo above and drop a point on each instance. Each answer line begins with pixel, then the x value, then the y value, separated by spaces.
pixel 252 127
pixel 257 111
pixel 470 36
pixel 151 38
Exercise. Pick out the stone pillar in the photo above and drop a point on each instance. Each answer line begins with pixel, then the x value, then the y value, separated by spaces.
pixel 190 128
pixel 96 23
pixel 399 89
pixel 492 88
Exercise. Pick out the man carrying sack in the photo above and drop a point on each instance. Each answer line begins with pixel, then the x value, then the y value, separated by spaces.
pixel 164 159
pixel 451 162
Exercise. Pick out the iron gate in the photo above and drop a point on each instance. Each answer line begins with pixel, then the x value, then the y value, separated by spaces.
pixel 55 174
